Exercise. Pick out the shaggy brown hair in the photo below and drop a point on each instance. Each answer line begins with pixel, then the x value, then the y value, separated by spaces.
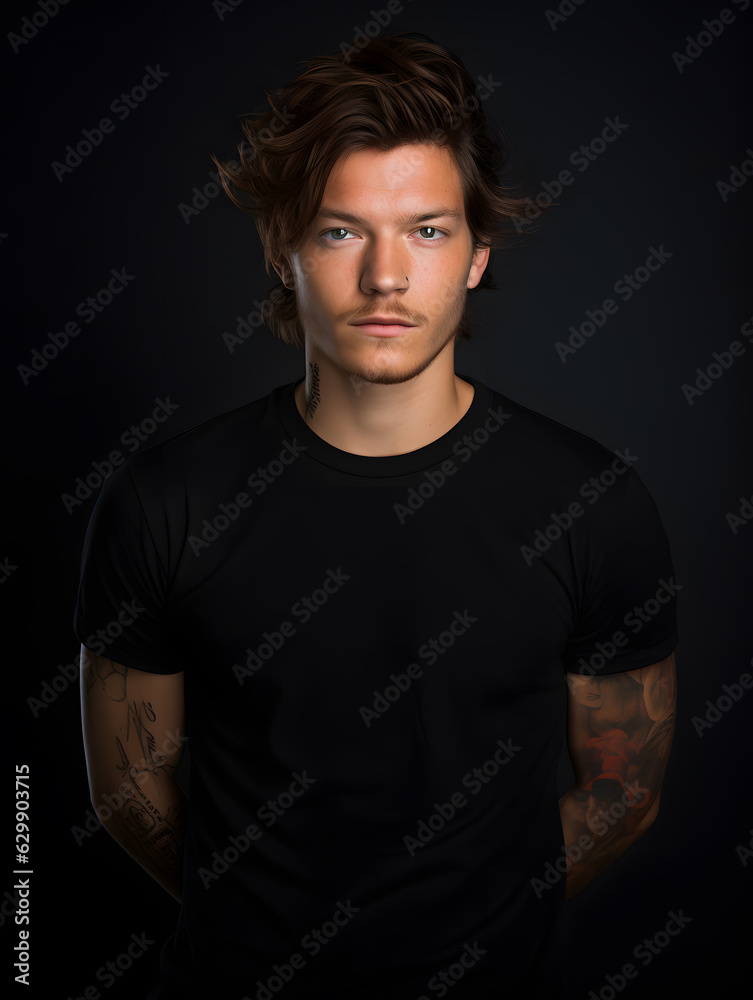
pixel 397 89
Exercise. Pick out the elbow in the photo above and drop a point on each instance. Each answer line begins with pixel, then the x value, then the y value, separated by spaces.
pixel 106 803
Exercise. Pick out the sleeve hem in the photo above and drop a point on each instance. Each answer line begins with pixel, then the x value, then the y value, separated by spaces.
pixel 118 653
pixel 631 659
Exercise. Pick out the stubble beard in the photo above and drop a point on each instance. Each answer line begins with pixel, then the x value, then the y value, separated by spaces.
pixel 379 375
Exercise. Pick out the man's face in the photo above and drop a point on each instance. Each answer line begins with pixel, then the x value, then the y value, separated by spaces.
pixel 586 691
pixel 386 241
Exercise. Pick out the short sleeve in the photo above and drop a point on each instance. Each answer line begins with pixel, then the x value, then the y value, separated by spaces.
pixel 627 617
pixel 122 609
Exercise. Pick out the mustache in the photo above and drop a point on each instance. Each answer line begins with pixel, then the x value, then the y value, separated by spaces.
pixel 393 311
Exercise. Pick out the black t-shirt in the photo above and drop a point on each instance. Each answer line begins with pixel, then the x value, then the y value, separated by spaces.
pixel 375 652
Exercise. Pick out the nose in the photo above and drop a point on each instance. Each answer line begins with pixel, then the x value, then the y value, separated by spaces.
pixel 385 269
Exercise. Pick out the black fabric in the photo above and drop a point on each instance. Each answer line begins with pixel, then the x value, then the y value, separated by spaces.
pixel 358 634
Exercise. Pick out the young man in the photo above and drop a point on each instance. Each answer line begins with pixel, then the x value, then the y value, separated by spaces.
pixel 369 597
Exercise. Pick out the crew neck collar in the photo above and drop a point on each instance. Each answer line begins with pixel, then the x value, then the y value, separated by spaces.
pixel 381 466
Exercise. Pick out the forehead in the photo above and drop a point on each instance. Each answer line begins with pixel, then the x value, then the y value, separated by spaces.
pixel 408 175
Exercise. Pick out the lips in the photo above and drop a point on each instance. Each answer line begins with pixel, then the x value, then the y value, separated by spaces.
pixel 382 321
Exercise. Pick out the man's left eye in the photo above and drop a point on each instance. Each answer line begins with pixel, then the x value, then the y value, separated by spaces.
pixel 336 239
pixel 430 229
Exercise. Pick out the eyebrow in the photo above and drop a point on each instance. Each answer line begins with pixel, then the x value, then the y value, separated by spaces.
pixel 403 220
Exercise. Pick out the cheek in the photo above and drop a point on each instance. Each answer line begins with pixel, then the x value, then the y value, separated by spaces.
pixel 330 271
pixel 441 291
pixel 316 282
pixel 443 267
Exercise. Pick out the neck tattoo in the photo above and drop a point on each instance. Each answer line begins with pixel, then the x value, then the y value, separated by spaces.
pixel 312 393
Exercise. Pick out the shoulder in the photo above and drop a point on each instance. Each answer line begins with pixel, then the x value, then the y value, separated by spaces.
pixel 546 446
pixel 226 441
pixel 552 468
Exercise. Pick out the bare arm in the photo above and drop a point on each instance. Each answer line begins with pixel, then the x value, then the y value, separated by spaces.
pixel 620 729
pixel 133 726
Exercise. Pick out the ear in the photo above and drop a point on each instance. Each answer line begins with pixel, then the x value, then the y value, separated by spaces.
pixel 478 266
pixel 284 272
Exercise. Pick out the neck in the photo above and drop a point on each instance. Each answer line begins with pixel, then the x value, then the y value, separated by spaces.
pixel 377 418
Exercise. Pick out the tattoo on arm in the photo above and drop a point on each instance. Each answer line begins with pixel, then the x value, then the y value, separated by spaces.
pixel 110 677
pixel 152 816
pixel 148 814
pixel 620 731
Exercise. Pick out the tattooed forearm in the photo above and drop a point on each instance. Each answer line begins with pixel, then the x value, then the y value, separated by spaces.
pixel 312 389
pixel 149 815
pixel 132 758
pixel 150 824
pixel 620 731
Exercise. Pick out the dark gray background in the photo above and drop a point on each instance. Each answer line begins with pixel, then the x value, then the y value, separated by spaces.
pixel 656 185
